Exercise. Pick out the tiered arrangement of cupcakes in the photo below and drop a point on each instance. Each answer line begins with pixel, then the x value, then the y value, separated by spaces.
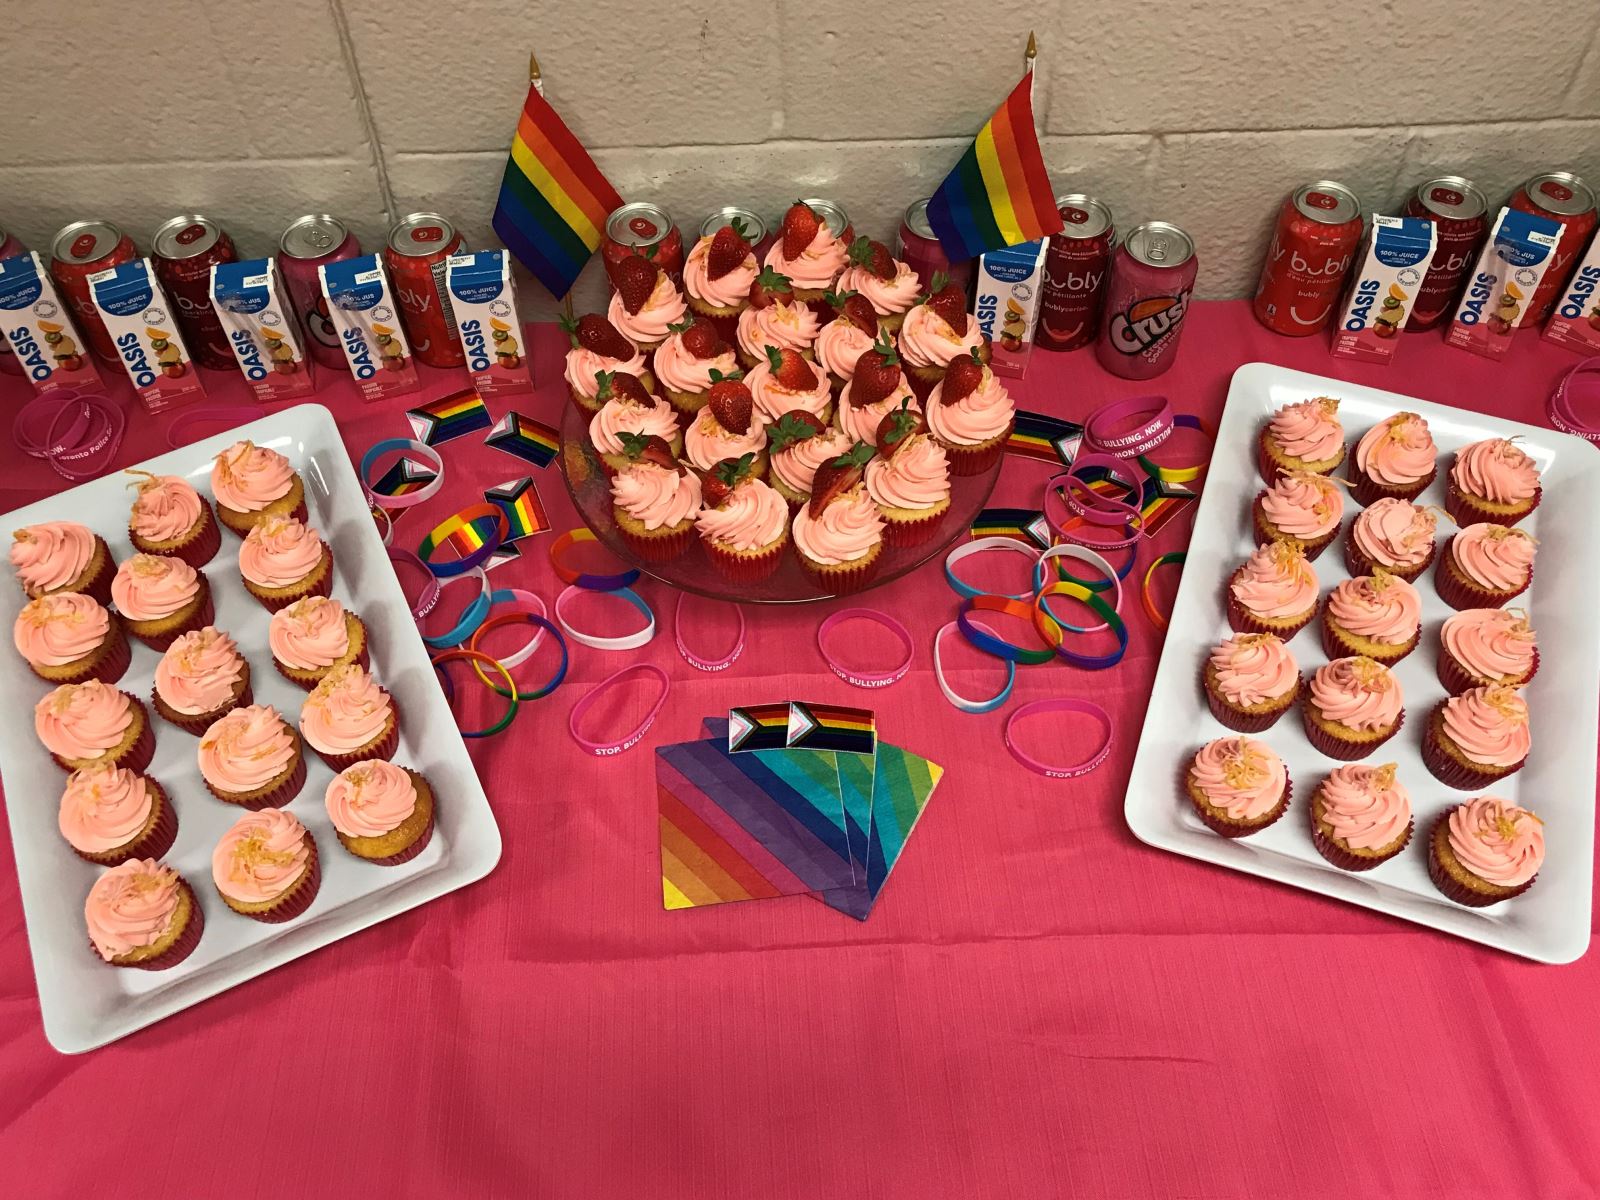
pixel 1482 850
pixel 73 632
pixel 816 399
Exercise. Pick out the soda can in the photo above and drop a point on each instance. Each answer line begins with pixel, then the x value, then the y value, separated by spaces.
pixel 310 242
pixel 1313 244
pixel 754 228
pixel 10 247
pixel 82 249
pixel 1460 216
pixel 419 245
pixel 1147 298
pixel 1075 270
pixel 184 250
pixel 834 217
pixel 1569 202
pixel 646 229
pixel 918 247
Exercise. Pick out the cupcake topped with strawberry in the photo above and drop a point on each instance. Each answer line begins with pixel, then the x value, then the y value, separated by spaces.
pixel 727 428
pixel 936 332
pixel 654 499
pixel 717 276
pixel 598 346
pixel 745 522
pixel 877 389
pixel 775 318
pixel 888 284
pixel 797 444
pixel 848 336
pixel 971 414
pixel 647 301
pixel 689 361
pixel 839 533
pixel 786 382
pixel 628 408
pixel 809 253
pixel 909 480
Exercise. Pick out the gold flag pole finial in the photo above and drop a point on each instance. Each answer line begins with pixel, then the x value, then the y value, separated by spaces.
pixel 533 68
pixel 1031 53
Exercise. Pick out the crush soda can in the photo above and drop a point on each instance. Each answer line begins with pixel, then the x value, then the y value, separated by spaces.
pixel 645 229
pixel 1460 216
pixel 486 314
pixel 1562 197
pixel 362 309
pixel 39 329
pixel 138 316
pixel 253 308
pixel 311 242
pixel 1313 244
pixel 184 250
pixel 1575 323
pixel 1506 277
pixel 415 256
pixel 1075 271
pixel 79 251
pixel 1385 285
pixel 1147 299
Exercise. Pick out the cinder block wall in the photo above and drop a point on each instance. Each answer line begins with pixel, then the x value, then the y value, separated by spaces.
pixel 1201 113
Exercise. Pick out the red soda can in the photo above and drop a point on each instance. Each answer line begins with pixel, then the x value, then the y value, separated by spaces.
pixel 918 247
pixel 310 242
pixel 646 229
pixel 1319 229
pixel 1146 300
pixel 78 251
pixel 10 247
pixel 1569 201
pixel 184 251
pixel 1460 217
pixel 834 217
pixel 754 228
pixel 415 258
pixel 1075 270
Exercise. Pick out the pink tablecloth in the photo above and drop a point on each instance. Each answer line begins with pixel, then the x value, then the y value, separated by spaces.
pixel 1040 1005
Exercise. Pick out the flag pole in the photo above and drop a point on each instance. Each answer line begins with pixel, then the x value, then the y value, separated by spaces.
pixel 1028 55
pixel 536 78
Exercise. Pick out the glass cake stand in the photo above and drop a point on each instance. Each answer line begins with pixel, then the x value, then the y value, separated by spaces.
pixel 693 572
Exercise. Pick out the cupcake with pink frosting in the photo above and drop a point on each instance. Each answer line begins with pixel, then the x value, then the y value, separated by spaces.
pixel 1494 481
pixel 312 636
pixel 1393 534
pixel 775 318
pixel 598 346
pixel 1303 437
pixel 646 303
pixel 1487 647
pixel 1395 458
pixel 909 480
pixel 797 444
pixel 654 504
pixel 1485 851
pixel 877 389
pixel 252 758
pixel 727 428
pixel 1477 737
pixel 1484 566
pixel 1361 816
pixel 786 382
pixel 383 814
pixel 629 409
pixel 1237 786
pixel 266 868
pixel 1352 707
pixel 251 483
pixel 160 598
pixel 62 556
pixel 811 253
pixel 68 637
pixel 169 517
pixel 936 332
pixel 838 535
pixel 744 524
pixel 693 358
pixel 1302 508
pixel 1376 616
pixel 111 814
pixel 92 724
pixel 348 718
pixel 201 677
pixel 143 914
pixel 886 283
pixel 1250 681
pixel 847 337
pixel 1275 591
pixel 971 415
pixel 717 276
pixel 283 560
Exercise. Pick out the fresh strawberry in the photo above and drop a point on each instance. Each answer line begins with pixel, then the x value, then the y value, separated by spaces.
pixel 799 226
pixel 859 312
pixel 650 448
pixel 731 404
pixel 962 377
pixel 877 374
pixel 594 333
pixel 770 287
pixel 791 372
pixel 950 302
pixel 795 426
pixel 717 484
pixel 700 338
pixel 624 386
pixel 635 279
pixel 896 428
pixel 837 476
pixel 727 253
pixel 873 257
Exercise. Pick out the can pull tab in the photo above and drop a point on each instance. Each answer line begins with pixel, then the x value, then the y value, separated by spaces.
pixel 1156 249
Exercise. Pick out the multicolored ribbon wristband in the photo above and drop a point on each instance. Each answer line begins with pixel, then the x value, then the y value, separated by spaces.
pixel 866 679
pixel 587 701
pixel 990 643
pixel 1051 629
pixel 1059 704
pixel 470 616
pixel 1082 554
pixel 1176 558
pixel 477 531
pixel 412 449
pixel 979 546
pixel 477 656
pixel 630 641
pixel 693 659
pixel 585 579
pixel 961 702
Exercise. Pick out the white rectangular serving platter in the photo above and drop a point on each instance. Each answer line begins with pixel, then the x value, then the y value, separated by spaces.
pixel 86 1003
pixel 1549 923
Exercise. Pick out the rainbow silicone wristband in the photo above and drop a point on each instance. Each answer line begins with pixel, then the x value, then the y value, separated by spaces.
pixel 866 679
pixel 1051 629
pixel 1177 557
pixel 979 546
pixel 520 602
pixel 477 656
pixel 543 626
pixel 961 702
pixel 990 643
pixel 1178 474
pixel 475 517
pixel 632 738
pixel 693 659
pixel 631 641
pixel 406 445
pixel 1061 704
pixel 470 618
pixel 1082 554
pixel 430 590
pixel 583 579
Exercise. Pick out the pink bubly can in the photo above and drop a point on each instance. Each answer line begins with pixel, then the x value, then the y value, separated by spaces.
pixel 311 242
pixel 1152 281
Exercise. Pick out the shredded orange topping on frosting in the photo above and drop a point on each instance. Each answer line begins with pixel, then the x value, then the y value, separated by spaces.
pixel 1370 674
pixel 1384 776
pixel 1507 703
pixel 149 481
pixel 1244 769
pixel 150 565
pixel 1399 424
pixel 1290 557
pixel 1499 533
pixel 253 852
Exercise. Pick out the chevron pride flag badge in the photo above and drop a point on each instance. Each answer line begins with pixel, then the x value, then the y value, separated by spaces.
pixel 532 441
pixel 831 727
pixel 758 727
pixel 449 417
pixel 1046 438
pixel 520 502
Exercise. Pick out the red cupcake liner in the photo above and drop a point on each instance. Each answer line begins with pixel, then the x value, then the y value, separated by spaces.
pixel 1461 594
pixel 199 619
pixel 1265 533
pixel 1453 773
pixel 741 568
pixel 278 796
pixel 1464 509
pixel 1342 858
pixel 967 461
pixel 1334 644
pixel 180 949
pixel 1451 888
pixel 658 549
pixel 112 665
pixel 299 897
pixel 1359 564
pixel 99 584
pixel 323 587
pixel 912 533
pixel 411 851
pixel 198 550
pixel 1368 490
pixel 922 384
pixel 1268 468
pixel 1457 679
pixel 1244 722
pixel 383 748
pixel 843 582
pixel 1333 747
pixel 153 844
pixel 1241 620
pixel 137 757
pixel 1232 830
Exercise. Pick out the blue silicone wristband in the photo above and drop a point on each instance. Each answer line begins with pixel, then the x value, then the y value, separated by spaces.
pixel 467 624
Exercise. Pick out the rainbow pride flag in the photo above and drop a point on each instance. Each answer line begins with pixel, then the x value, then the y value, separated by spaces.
pixel 999 193
pixel 553 200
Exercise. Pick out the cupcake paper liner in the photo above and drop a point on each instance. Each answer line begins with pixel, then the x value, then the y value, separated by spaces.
pixel 1336 644
pixel 1368 490
pixel 921 381
pixel 1359 564
pixel 298 898
pixel 180 949
pixel 1453 889
pixel 1342 858
pixel 1234 830
pixel 659 549
pixel 842 579
pixel 286 791
pixel 1246 722
pixel 912 533
pixel 967 461
pixel 204 615
pixel 411 851
pixel 1265 533
pixel 98 584
pixel 1270 469
pixel 108 663
pixel 1450 771
pixel 1458 679
pixel 1241 620
pixel 383 748
pixel 201 547
pixel 1335 747
pixel 727 327
pixel 1461 594
pixel 282 600
pixel 742 568
pixel 1465 509
pixel 244 522
pixel 153 844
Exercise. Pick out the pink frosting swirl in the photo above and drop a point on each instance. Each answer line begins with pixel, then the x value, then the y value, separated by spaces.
pixel 1383 607
pixel 797 465
pixel 83 721
pixel 655 496
pixel 345 711
pixel 1275 582
pixel 150 587
pixel 280 552
pixel 1496 470
pixel 1304 506
pixel 840 346
pixel 1394 532
pixel 1494 643
pixel 309 634
pixel 370 799
pixel 681 371
pixel 245 749
pixel 165 509
pixel 1365 807
pixel 1489 725
pixel 707 443
pixel 848 529
pixel 59 628
pixel 983 413
pixel 261 857
pixel 247 477
pixel 199 671
pixel 620 416
pixel 583 364
pixel 1253 668
pixel 1497 841
pixel 1309 430
pixel 773 399
pixel 888 296
pixel 51 555
pixel 861 421
pixel 103 808
pixel 916 477
pixel 730 291
pixel 753 517
pixel 1397 451
pixel 1239 775
pixel 131 906
pixel 819 263
pixel 786 326
pixel 1358 693
pixel 649 325
pixel 1494 556
pixel 926 340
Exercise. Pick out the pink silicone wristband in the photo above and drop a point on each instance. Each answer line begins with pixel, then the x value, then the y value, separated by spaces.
pixel 229 416
pixel 1561 408
pixel 632 738
pixel 866 679
pixel 430 590
pixel 1155 426
pixel 693 659
pixel 1071 770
